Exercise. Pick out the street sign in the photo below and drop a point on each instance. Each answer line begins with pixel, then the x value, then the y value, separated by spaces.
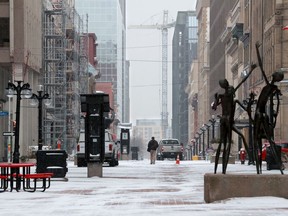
pixel 8 133
pixel 4 113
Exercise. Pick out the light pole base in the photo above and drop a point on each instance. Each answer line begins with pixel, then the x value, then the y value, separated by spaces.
pixel 94 169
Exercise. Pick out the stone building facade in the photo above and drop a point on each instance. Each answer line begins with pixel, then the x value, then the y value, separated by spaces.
pixel 235 28
pixel 20 60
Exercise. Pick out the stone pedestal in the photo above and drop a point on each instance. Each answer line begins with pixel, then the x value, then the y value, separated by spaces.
pixel 94 169
pixel 224 186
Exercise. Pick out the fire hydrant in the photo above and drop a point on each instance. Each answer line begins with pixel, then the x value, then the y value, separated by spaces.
pixel 242 154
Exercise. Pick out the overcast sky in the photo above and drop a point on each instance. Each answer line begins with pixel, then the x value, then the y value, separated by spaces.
pixel 145 54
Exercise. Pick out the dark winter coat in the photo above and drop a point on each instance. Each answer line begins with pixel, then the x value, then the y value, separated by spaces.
pixel 152 145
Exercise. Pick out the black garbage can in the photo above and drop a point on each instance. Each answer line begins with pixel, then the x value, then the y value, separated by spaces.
pixel 53 161
pixel 134 155
pixel 271 161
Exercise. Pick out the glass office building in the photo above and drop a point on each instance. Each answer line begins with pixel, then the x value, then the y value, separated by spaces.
pixel 107 19
pixel 185 41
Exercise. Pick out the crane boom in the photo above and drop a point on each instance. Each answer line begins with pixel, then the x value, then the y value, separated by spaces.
pixel 144 26
pixel 164 29
pixel 155 26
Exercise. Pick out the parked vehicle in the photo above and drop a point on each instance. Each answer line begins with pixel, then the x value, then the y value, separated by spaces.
pixel 112 150
pixel 170 148
pixel 80 151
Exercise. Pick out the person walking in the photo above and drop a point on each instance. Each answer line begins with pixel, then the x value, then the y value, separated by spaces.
pixel 152 147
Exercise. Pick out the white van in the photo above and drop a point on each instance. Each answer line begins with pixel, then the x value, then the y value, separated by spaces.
pixel 112 150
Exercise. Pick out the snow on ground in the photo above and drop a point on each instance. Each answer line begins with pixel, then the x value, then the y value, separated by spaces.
pixel 138 188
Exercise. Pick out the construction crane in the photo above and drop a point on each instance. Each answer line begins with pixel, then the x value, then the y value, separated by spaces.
pixel 164 29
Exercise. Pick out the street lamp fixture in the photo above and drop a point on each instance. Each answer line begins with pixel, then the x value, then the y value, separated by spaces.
pixel 39 99
pixel 18 90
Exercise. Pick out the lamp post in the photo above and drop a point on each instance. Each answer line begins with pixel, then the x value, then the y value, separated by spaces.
pixel 198 145
pixel 195 146
pixel 39 98
pixel 192 147
pixel 18 90
pixel 213 126
pixel 208 134
pixel 203 141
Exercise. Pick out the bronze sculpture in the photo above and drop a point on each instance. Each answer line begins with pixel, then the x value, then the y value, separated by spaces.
pixel 227 123
pixel 263 128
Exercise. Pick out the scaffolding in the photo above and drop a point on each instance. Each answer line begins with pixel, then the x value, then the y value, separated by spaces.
pixel 62 71
pixel 84 47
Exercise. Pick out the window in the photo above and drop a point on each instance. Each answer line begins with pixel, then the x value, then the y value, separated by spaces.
pixel 4 32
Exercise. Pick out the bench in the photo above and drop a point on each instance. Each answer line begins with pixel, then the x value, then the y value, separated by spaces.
pixel 44 177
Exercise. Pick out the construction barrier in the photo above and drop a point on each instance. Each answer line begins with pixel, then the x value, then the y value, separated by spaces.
pixel 178 160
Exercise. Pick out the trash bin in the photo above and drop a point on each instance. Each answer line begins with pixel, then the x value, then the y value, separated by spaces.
pixel 271 161
pixel 53 161
pixel 134 156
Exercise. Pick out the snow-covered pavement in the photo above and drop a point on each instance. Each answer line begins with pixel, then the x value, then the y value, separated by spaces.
pixel 138 188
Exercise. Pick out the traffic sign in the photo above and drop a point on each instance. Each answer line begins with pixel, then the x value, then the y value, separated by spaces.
pixel 4 113
pixel 8 133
